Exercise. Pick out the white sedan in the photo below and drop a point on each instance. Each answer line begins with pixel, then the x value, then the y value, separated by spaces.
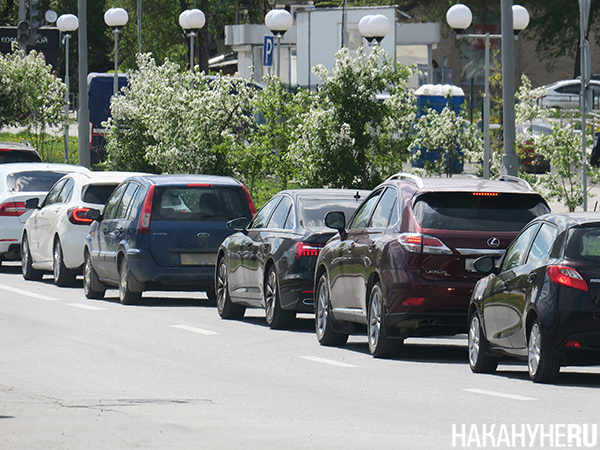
pixel 19 182
pixel 54 234
pixel 565 94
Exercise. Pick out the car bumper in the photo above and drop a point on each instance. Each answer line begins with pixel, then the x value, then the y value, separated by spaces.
pixel 146 271
pixel 297 292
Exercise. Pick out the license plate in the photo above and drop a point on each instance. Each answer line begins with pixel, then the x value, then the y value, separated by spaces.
pixel 198 259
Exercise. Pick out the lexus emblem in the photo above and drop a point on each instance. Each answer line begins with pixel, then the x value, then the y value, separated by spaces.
pixel 493 242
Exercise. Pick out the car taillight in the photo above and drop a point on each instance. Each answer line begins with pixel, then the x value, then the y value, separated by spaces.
pixel 413 301
pixel 12 209
pixel 77 216
pixel 304 249
pixel 144 226
pixel 566 276
pixel 249 200
pixel 422 243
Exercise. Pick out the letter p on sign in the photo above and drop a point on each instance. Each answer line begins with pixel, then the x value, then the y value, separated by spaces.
pixel 268 51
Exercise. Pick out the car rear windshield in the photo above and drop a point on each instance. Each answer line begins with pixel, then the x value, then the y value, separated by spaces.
pixel 583 244
pixel 199 202
pixel 98 193
pixel 312 211
pixel 16 156
pixel 477 211
pixel 32 181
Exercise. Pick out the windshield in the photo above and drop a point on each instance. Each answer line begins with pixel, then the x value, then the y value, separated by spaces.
pixel 312 211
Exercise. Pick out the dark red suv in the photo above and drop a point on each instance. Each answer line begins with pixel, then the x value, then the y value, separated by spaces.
pixel 403 263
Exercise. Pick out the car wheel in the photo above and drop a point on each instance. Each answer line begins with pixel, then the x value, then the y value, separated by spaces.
pixel 543 367
pixel 29 273
pixel 126 295
pixel 92 287
pixel 63 276
pixel 324 321
pixel 380 346
pixel 479 360
pixel 225 307
pixel 277 318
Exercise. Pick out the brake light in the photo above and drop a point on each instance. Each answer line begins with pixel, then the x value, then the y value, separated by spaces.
pixel 422 243
pixel 566 276
pixel 144 226
pixel 77 216
pixel 12 209
pixel 486 194
pixel 573 344
pixel 304 249
pixel 199 185
pixel 249 200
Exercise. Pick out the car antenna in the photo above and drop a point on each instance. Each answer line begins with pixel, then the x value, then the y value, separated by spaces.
pixel 357 196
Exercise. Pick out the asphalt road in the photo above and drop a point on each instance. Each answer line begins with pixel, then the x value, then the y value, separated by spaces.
pixel 77 373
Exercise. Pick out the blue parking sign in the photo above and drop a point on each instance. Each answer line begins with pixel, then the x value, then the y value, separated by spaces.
pixel 268 51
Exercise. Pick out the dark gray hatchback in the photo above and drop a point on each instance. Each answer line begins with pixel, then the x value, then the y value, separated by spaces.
pixel 161 232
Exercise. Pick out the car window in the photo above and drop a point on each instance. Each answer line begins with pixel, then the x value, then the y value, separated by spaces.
pixel 66 192
pixel 136 202
pixel 32 181
pixel 281 213
pixel 573 88
pixel 312 211
pixel 542 244
pixel 191 202
pixel 261 218
pixel 15 156
pixel 515 253
pixel 124 204
pixel 472 211
pixel 98 194
pixel 385 213
pixel 584 244
pixel 362 216
pixel 54 193
pixel 113 201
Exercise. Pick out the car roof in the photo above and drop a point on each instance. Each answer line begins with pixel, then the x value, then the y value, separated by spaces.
pixel 102 177
pixel 183 178
pixel 504 184
pixel 567 220
pixel 318 194
pixel 23 167
pixel 4 145
pixel 567 82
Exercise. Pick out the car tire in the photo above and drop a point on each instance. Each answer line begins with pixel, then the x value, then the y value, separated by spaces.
pixel 380 345
pixel 542 367
pixel 63 276
pixel 277 318
pixel 479 359
pixel 29 273
pixel 324 321
pixel 93 288
pixel 225 307
pixel 126 295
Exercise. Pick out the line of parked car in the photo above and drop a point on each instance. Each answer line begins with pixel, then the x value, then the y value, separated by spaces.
pixel 413 257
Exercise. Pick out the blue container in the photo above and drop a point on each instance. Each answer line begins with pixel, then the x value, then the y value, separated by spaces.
pixel 435 97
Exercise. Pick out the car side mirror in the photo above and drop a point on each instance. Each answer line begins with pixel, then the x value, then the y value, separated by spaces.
pixel 32 203
pixel 337 221
pixel 238 225
pixel 93 214
pixel 485 264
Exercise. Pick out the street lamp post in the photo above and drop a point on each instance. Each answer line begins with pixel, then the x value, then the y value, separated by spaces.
pixel 192 20
pixel 278 21
pixel 459 17
pixel 116 18
pixel 67 23
pixel 374 28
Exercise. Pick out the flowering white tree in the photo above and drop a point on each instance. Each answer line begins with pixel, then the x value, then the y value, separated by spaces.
pixel 450 139
pixel 354 133
pixel 169 121
pixel 30 96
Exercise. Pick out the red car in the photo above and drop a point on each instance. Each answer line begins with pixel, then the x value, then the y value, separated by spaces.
pixel 403 264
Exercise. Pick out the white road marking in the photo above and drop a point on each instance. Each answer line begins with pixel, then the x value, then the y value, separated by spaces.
pixel 195 330
pixel 331 362
pixel 500 394
pixel 84 306
pixel 27 293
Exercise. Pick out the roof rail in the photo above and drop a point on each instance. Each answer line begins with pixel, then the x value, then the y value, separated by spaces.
pixel 413 179
pixel 517 180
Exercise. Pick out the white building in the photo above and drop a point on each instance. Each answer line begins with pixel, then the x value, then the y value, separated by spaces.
pixel 316 36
